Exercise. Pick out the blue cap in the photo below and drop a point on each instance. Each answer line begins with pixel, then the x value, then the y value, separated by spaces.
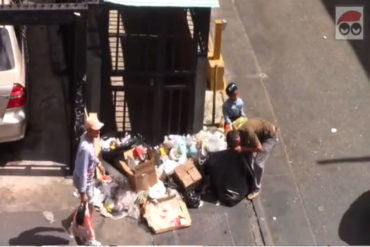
pixel 231 88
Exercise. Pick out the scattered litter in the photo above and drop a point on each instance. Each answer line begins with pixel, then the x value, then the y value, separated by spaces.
pixel 49 216
pixel 274 218
pixel 169 167
pixel 324 37
pixel 167 215
pixel 321 208
pixel 157 191
pixel 263 75
pixel 76 194
pixel 333 130
pixel 157 183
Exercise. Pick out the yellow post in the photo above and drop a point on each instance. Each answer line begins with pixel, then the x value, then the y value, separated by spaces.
pixel 219 26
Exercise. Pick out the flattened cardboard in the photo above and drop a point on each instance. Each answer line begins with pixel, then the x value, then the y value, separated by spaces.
pixel 167 215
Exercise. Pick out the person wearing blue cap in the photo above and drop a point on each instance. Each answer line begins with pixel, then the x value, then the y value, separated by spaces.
pixel 233 107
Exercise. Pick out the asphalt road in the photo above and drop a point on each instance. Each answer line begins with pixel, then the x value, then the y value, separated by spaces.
pixel 293 71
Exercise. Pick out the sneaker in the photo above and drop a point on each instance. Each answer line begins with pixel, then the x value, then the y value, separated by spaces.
pixel 253 195
pixel 67 227
pixel 93 243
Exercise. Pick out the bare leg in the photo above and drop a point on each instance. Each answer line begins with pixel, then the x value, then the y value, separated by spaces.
pixel 91 209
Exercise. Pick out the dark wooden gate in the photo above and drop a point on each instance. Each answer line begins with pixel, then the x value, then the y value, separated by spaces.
pixel 153 57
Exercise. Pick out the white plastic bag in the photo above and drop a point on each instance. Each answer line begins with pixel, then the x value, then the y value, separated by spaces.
pixel 83 228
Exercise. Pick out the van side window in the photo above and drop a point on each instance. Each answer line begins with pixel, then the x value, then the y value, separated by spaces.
pixel 6 52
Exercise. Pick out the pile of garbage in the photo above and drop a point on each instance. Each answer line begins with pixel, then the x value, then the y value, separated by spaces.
pixel 157 183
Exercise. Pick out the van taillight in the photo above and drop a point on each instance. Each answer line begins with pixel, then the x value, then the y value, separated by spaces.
pixel 17 96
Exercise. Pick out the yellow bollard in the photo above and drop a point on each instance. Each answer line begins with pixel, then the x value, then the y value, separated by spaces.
pixel 216 68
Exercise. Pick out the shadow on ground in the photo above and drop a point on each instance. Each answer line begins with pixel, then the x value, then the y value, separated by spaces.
pixel 354 227
pixel 344 160
pixel 39 236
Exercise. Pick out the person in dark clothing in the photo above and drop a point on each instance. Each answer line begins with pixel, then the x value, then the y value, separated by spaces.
pixel 257 136
pixel 228 173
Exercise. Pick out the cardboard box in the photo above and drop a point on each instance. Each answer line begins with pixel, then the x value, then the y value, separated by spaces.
pixel 143 176
pixel 128 154
pixel 167 214
pixel 188 175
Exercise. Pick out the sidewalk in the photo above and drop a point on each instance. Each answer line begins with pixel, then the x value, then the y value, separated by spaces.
pixel 31 189
pixel 280 210
pixel 25 199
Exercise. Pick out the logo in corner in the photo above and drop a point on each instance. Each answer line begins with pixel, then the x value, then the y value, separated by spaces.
pixel 349 23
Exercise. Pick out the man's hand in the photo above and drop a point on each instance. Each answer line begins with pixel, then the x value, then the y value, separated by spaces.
pixel 84 198
pixel 238 149
pixel 102 169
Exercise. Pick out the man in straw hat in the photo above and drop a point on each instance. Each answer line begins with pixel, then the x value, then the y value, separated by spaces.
pixel 85 165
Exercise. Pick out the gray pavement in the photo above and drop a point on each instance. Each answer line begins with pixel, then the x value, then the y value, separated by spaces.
pixel 316 185
pixel 25 199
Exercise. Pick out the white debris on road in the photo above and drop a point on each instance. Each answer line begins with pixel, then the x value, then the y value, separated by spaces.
pixel 49 216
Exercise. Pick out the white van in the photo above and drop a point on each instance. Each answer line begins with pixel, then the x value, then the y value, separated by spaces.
pixel 12 85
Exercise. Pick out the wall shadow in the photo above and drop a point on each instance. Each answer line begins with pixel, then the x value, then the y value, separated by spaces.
pixel 361 47
pixel 354 227
pixel 39 236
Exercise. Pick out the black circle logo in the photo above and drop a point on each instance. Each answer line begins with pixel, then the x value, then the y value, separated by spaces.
pixel 344 28
pixel 356 28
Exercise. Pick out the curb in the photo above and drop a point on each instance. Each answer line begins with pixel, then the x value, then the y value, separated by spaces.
pixel 262 222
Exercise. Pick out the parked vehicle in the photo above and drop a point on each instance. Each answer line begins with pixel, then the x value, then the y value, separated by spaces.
pixel 12 85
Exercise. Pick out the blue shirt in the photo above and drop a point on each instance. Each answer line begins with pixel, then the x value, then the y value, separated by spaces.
pixel 233 110
pixel 85 164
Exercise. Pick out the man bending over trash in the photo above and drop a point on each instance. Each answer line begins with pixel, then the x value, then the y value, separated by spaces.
pixel 85 165
pixel 257 136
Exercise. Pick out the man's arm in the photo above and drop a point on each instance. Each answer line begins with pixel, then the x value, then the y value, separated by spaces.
pixel 243 149
pixel 226 114
pixel 82 163
pixel 242 113
pixel 256 146
pixel 257 149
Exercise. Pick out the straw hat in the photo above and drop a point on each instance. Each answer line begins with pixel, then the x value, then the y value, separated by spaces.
pixel 93 123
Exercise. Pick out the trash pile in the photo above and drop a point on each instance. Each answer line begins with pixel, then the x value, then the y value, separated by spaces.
pixel 157 183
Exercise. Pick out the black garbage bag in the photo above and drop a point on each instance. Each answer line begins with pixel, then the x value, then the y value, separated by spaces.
pixel 191 198
pixel 229 175
pixel 80 215
pixel 111 155
pixel 171 183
